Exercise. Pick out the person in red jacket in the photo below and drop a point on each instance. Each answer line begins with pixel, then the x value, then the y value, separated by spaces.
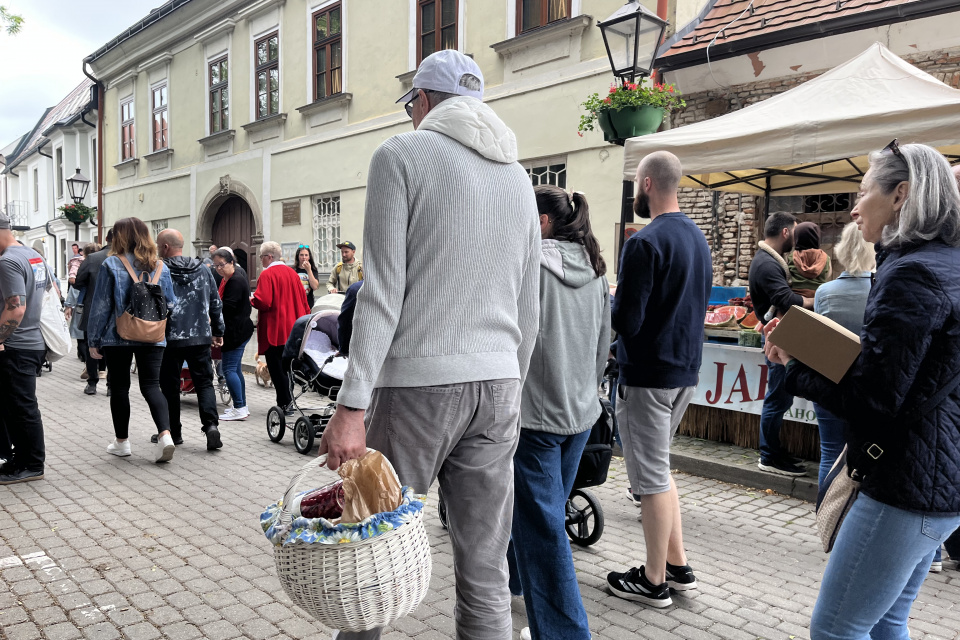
pixel 280 300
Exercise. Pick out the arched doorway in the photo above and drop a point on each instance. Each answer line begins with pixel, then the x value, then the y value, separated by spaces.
pixel 234 227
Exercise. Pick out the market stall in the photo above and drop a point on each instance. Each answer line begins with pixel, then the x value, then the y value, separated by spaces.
pixel 813 139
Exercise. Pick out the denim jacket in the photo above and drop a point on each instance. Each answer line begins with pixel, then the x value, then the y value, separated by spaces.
pixel 111 297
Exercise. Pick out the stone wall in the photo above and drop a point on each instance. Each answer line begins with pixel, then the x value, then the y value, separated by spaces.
pixel 736 225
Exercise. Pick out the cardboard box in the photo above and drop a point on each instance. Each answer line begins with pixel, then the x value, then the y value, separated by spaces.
pixel 817 341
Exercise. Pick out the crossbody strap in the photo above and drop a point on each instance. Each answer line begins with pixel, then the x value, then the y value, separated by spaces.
pixel 934 401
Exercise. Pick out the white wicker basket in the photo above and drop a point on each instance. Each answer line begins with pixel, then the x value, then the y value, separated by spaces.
pixel 356 586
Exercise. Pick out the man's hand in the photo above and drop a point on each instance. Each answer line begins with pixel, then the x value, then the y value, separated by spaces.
pixel 95 353
pixel 331 290
pixel 774 353
pixel 217 341
pixel 68 313
pixel 345 437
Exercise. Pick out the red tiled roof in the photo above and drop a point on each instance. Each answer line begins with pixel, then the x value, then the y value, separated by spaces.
pixel 767 17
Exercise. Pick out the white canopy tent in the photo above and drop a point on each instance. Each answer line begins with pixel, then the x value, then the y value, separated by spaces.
pixel 813 138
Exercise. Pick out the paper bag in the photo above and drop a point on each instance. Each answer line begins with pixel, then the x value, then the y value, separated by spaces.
pixel 370 486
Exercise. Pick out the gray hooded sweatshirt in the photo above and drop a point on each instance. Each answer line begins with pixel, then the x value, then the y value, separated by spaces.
pixel 560 393
pixel 447 205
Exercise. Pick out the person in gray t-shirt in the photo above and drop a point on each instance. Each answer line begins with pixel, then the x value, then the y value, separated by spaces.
pixel 24 277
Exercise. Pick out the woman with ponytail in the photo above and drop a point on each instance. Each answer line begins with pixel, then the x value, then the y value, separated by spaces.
pixel 559 406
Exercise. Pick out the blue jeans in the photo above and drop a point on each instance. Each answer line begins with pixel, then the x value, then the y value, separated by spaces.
pixel 832 439
pixel 541 563
pixel 776 403
pixel 880 559
pixel 234 375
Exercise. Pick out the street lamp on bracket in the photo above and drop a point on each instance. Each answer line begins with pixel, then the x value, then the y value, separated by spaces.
pixel 632 36
pixel 77 185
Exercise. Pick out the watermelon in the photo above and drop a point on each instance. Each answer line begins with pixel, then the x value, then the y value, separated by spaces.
pixel 739 312
pixel 720 319
pixel 749 321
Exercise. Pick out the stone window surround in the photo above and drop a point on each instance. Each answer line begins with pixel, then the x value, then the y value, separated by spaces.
pixel 533 47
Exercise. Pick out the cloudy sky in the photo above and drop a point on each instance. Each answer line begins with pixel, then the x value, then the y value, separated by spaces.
pixel 42 64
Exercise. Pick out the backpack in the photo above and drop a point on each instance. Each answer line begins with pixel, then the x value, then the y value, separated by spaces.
pixel 145 318
pixel 595 461
pixel 339 268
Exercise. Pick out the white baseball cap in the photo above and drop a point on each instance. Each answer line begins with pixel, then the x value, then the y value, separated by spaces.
pixel 448 71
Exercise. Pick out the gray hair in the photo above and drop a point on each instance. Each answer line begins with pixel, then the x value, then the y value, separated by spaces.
pixel 931 210
pixel 271 248
pixel 853 252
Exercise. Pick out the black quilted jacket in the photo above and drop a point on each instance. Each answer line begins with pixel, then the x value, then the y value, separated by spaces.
pixel 910 350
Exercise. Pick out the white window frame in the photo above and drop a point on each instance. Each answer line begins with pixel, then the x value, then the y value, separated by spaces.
pixel 326 231
pixel 36 188
pixel 529 165
pixel 159 225
pixel 160 84
pixel 206 82
pixel 278 28
pixel 313 7
pixel 58 173
pixel 133 109
pixel 413 36
pixel 576 9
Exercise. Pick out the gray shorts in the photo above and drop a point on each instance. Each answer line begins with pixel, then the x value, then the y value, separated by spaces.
pixel 648 420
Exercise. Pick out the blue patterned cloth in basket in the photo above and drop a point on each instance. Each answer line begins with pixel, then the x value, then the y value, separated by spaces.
pixel 322 531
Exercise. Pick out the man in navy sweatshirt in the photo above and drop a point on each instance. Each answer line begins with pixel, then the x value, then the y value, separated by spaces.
pixel 663 288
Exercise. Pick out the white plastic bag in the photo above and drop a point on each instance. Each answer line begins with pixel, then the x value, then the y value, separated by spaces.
pixel 53 326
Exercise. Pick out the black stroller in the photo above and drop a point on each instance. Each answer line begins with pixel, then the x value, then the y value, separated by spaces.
pixel 311 360
pixel 584 520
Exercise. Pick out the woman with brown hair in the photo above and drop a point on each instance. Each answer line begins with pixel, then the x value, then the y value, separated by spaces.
pixel 133 257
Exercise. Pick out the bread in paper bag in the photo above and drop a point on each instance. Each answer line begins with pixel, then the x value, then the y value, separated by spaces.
pixel 370 486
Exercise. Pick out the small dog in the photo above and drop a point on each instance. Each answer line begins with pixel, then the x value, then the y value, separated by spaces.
pixel 262 374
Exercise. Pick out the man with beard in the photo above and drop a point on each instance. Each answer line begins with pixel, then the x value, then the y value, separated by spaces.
pixel 663 288
pixel 772 297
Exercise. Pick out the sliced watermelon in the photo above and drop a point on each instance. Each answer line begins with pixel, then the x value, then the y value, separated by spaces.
pixel 720 319
pixel 738 312
pixel 749 321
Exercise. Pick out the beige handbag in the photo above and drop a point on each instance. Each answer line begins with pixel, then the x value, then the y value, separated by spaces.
pixel 145 318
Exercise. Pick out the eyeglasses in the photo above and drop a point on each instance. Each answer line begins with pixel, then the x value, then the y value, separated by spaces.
pixel 894 148
pixel 409 107
pixel 220 267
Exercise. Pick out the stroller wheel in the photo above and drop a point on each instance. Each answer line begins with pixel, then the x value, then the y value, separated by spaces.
pixel 584 518
pixel 276 425
pixel 224 392
pixel 303 435
pixel 441 508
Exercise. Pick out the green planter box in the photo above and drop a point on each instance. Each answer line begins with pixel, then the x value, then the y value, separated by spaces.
pixel 629 122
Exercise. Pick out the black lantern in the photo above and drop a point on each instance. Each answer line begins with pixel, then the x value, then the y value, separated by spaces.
pixel 77 185
pixel 632 36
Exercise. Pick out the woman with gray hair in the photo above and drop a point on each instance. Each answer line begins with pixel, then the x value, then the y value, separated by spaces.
pixel 901 399
pixel 844 301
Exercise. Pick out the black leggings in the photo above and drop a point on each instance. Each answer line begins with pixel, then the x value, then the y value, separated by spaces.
pixel 148 372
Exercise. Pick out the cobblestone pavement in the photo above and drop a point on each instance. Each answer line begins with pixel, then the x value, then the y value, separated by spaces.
pixel 110 547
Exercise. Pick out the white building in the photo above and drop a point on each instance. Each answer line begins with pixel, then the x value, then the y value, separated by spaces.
pixel 36 167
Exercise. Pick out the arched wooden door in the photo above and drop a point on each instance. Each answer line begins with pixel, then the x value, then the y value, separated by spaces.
pixel 234 227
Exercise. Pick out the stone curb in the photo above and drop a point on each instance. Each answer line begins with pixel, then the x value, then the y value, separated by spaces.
pixel 801 488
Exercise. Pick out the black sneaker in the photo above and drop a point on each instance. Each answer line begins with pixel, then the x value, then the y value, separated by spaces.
pixel 633 585
pixel 90 389
pixel 176 441
pixel 23 475
pixel 213 439
pixel 786 457
pixel 782 468
pixel 681 578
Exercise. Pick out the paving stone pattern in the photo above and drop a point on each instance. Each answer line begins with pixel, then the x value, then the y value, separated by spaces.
pixel 107 548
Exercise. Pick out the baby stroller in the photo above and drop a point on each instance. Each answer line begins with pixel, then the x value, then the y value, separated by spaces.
pixel 311 359
pixel 219 386
pixel 584 518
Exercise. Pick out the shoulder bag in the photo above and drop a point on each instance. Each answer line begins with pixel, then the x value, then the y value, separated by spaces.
pixel 842 485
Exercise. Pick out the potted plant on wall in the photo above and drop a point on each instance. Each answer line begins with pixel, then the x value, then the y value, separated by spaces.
pixel 630 109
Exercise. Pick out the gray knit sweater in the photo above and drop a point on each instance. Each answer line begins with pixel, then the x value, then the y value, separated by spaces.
pixel 451 258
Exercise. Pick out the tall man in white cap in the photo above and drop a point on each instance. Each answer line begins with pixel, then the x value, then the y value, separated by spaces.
pixel 437 358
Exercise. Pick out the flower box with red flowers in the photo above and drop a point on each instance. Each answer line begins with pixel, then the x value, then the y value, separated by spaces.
pixel 77 213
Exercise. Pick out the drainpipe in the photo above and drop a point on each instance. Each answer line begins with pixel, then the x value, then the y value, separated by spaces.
pixel 53 199
pixel 99 160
